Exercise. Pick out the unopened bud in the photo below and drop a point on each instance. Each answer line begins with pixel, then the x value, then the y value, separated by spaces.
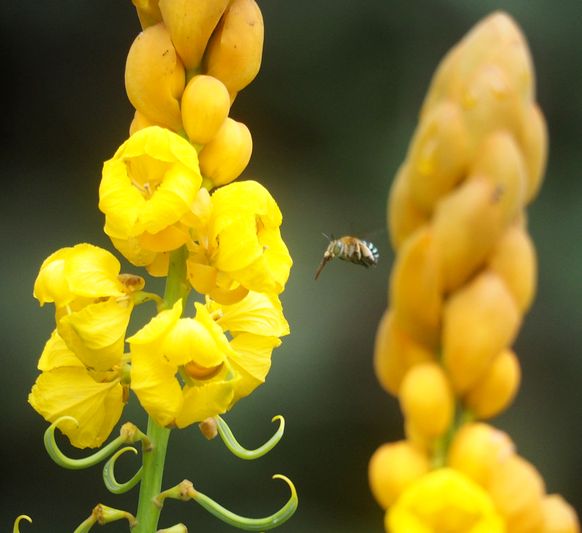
pixel 393 467
pixel 224 158
pixel 480 320
pixel 478 449
pixel 154 77
pixel 416 288
pixel 427 400
pixel 514 261
pixel 236 47
pixel 139 122
pixel 148 12
pixel 191 23
pixel 395 352
pixel 559 515
pixel 517 489
pixel 497 388
pixel 205 105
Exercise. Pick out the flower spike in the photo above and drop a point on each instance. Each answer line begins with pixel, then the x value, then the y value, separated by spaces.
pixel 109 473
pixel 127 434
pixel 236 449
pixel 251 524
pixel 16 528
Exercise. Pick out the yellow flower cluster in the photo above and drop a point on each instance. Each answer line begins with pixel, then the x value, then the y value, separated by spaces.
pixel 183 72
pixel 463 278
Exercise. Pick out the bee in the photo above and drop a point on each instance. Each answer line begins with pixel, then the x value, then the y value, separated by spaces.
pixel 350 249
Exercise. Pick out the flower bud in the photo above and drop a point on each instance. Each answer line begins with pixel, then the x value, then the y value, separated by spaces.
pixel 235 49
pixel 148 12
pixel 191 23
pixel 394 353
pixel 426 399
pixel 559 516
pixel 497 388
pixel 205 105
pixel 393 467
pixel 534 142
pixel 154 77
pixel 224 158
pixel 415 288
pixel 514 261
pixel 480 320
pixel 478 449
pixel 139 122
pixel 404 214
pixel 517 490
pixel 438 155
pixel 467 224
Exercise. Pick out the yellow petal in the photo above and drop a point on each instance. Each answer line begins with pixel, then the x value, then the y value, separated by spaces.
pixel 202 401
pixel 157 326
pixel 256 313
pixel 57 354
pixel 71 391
pixel 96 333
pixel 154 381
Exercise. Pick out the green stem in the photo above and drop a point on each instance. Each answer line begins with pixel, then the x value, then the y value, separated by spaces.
pixel 148 513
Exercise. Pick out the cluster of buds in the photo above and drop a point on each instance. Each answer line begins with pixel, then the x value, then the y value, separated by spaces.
pixel 170 206
pixel 464 276
pixel 185 69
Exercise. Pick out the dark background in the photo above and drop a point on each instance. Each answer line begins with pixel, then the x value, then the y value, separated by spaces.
pixel 331 114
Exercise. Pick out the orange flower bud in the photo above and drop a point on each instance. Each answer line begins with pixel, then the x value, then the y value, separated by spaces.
pixel 404 214
pixel 480 320
pixel 559 515
pixel 497 388
pixel 415 288
pixel 154 77
pixel 235 49
pixel 438 155
pixel 224 158
pixel 205 105
pixel 467 224
pixel 534 143
pixel 139 122
pixel 517 490
pixel 394 353
pixel 514 260
pixel 191 23
pixel 478 449
pixel 427 400
pixel 148 12
pixel 393 467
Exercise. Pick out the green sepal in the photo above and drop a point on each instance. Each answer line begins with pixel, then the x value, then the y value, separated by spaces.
pixel 243 453
pixel 16 528
pixel 109 474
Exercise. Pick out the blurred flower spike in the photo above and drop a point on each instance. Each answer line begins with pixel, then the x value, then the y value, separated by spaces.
pixel 463 278
pixel 171 206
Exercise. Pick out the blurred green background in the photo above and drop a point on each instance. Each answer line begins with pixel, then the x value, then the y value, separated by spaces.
pixel 331 114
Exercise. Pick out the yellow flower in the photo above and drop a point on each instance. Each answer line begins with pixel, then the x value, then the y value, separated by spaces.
pixel 237 245
pixel 180 370
pixel 67 387
pixel 147 188
pixel 444 500
pixel 185 369
pixel 93 302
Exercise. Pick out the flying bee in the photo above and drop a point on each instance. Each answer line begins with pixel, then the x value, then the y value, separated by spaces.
pixel 350 249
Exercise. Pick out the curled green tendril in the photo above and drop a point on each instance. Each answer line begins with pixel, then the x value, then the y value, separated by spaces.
pixel 16 528
pixel 236 449
pixel 251 524
pixel 76 464
pixel 109 473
